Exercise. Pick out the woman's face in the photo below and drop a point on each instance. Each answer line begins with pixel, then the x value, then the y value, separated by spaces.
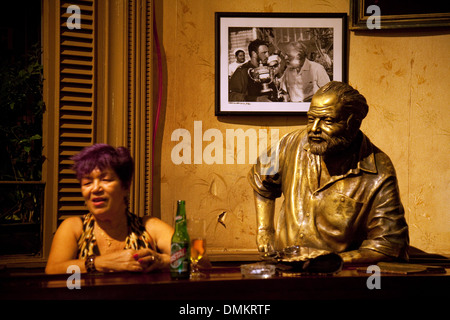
pixel 103 192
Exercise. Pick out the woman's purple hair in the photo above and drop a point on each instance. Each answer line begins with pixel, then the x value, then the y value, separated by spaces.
pixel 104 156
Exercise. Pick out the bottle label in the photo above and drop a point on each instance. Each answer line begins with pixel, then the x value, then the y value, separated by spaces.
pixel 178 255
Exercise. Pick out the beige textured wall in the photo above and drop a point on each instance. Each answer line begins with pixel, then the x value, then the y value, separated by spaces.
pixel 403 74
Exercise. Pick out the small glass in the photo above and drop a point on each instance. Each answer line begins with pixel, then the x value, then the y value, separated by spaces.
pixel 197 232
pixel 257 270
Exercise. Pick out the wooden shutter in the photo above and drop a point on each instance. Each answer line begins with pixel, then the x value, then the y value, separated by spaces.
pixel 98 89
pixel 76 101
pixel 140 123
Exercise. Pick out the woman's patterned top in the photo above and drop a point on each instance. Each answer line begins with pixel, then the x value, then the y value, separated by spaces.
pixel 137 238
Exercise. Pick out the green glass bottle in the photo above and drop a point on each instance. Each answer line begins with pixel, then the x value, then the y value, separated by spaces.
pixel 180 263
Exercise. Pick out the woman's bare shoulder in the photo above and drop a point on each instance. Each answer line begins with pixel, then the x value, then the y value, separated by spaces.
pixel 152 221
pixel 156 225
pixel 73 225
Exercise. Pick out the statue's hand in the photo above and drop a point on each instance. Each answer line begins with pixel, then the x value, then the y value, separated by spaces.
pixel 265 241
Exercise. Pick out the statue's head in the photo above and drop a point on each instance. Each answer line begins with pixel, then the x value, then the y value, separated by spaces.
pixel 334 118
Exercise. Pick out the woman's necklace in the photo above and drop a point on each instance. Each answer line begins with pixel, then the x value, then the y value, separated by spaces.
pixel 108 240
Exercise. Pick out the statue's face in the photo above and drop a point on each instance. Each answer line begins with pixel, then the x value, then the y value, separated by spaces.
pixel 328 131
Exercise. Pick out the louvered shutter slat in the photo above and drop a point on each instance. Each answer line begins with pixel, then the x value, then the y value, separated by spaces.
pixel 72 52
pixel 77 98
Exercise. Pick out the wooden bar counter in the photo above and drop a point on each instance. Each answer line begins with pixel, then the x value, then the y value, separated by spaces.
pixel 223 282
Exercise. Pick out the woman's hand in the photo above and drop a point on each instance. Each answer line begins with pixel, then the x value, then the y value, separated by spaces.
pixel 151 260
pixel 122 260
pixel 144 260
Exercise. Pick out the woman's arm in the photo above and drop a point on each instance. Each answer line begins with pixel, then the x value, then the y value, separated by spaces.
pixel 65 247
pixel 162 234
pixel 63 252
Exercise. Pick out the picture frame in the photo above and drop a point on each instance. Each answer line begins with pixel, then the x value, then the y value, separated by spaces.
pixel 322 37
pixel 399 14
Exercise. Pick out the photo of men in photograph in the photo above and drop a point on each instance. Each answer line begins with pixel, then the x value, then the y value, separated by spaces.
pixel 282 64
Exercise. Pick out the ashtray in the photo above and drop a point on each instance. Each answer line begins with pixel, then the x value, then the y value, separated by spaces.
pixel 300 254
pixel 298 259
pixel 257 270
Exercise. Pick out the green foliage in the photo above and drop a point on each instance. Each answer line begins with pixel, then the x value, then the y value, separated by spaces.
pixel 21 109
pixel 20 203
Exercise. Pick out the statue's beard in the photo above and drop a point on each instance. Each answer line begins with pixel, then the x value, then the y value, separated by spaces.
pixel 329 145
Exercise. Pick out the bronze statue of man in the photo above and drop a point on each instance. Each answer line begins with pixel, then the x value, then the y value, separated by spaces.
pixel 340 191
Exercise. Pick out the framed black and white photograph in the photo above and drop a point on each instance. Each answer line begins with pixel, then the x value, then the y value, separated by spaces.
pixel 273 63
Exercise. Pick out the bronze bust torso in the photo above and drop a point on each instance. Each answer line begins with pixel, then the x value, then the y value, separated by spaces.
pixel 340 191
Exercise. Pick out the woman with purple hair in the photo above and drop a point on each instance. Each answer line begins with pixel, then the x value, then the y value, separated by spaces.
pixel 108 238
